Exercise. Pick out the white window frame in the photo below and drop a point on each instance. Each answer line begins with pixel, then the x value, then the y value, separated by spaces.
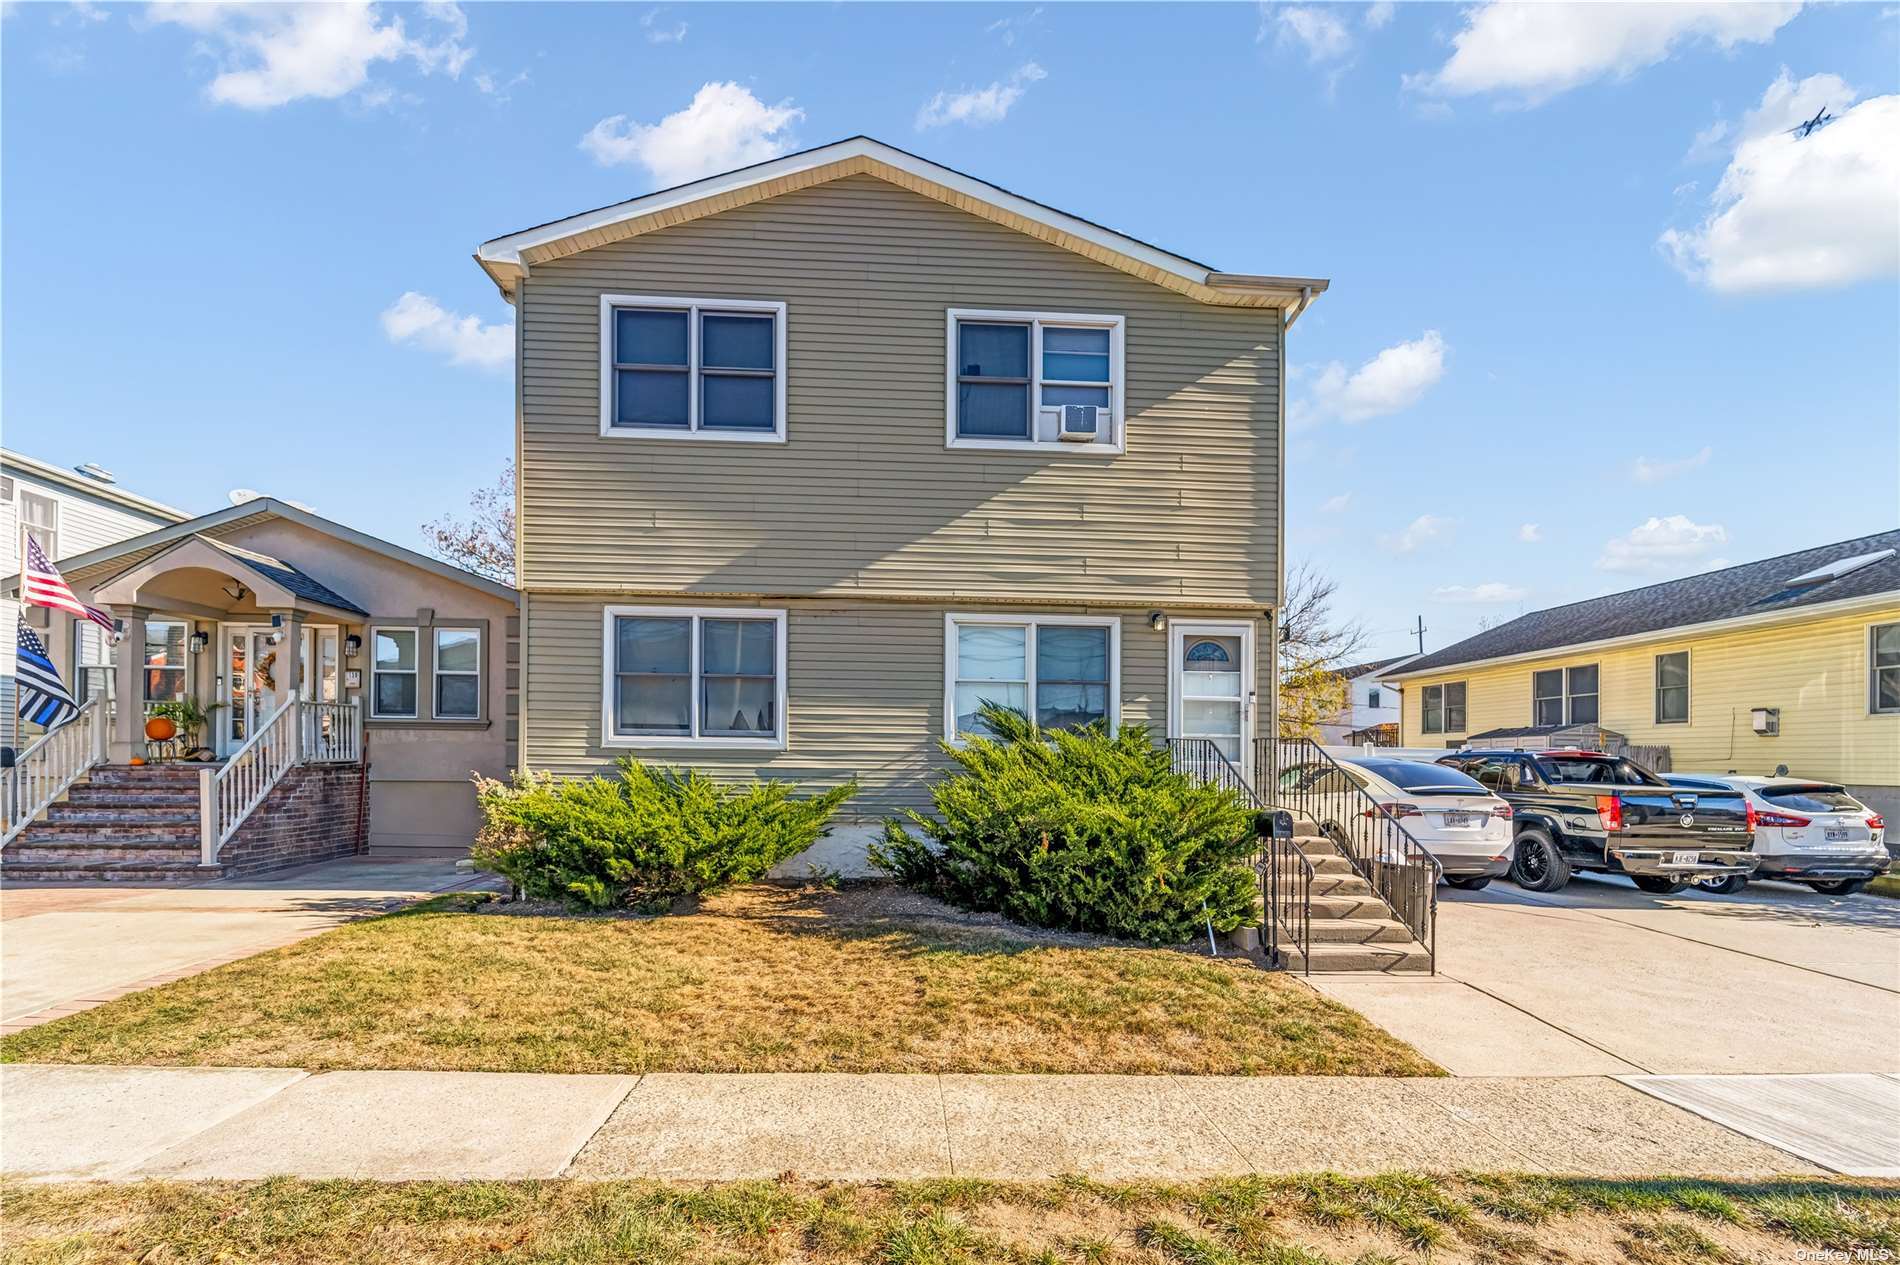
pixel 375 713
pixel 1570 695
pixel 1029 622
pixel 1117 440
pixel 20 500
pixel 147 667
pixel 694 308
pixel 1656 685
pixel 1873 675
pixel 1444 717
pixel 692 740
pixel 436 672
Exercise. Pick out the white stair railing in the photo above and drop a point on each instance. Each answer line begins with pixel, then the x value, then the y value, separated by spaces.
pixel 228 793
pixel 332 733
pixel 43 772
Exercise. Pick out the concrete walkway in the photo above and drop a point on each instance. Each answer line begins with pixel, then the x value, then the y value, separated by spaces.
pixel 1601 979
pixel 65 1123
pixel 66 948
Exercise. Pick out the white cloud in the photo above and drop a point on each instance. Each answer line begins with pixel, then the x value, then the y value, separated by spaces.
pixel 1395 379
pixel 1530 533
pixel 1377 15
pixel 724 127
pixel 1663 546
pixel 500 89
pixel 465 340
pixel 1655 470
pixel 1421 531
pixel 1801 212
pixel 1009 28
pixel 1315 28
pixel 1336 504
pixel 273 54
pixel 659 32
pixel 1494 591
pixel 979 106
pixel 1536 51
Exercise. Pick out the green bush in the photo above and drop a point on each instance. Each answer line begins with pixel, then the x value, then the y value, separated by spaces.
pixel 643 838
pixel 1079 831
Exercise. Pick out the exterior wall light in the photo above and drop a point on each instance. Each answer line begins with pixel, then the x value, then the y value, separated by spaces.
pixel 1157 620
pixel 199 640
pixel 352 646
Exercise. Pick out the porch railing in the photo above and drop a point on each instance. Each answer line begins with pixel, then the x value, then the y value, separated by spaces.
pixel 43 771
pixel 1313 786
pixel 1286 875
pixel 298 732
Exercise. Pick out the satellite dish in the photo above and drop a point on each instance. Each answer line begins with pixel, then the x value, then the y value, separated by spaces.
pixel 240 495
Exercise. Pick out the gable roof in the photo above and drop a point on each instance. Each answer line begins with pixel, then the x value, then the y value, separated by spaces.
pixel 287 575
pixel 74 481
pixel 509 258
pixel 1752 590
pixel 109 560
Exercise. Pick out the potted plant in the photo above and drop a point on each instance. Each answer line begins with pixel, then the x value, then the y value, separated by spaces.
pixel 186 713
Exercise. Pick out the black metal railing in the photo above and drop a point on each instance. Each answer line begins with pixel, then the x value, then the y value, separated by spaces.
pixel 1401 872
pixel 1286 876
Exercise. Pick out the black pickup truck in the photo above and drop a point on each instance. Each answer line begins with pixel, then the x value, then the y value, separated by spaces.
pixel 1586 810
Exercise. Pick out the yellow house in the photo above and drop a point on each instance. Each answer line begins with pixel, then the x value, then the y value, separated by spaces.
pixel 1792 661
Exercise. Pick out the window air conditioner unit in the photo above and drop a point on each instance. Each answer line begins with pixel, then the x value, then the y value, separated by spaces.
pixel 1080 423
pixel 1766 721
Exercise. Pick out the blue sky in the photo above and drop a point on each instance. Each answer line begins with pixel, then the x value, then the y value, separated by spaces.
pixel 1596 318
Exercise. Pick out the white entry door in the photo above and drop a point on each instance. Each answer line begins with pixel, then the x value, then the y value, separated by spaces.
pixel 248 669
pixel 1211 686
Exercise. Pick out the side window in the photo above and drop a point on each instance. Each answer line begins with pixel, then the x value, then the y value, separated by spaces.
pixel 692 368
pixel 1883 669
pixel 1034 380
pixel 1432 709
pixel 1547 697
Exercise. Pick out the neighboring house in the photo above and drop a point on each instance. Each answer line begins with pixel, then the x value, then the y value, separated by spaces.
pixel 1789 661
pixel 263 603
pixel 68 512
pixel 1371 712
pixel 795 496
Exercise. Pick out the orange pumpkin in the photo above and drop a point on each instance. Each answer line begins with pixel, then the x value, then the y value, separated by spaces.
pixel 137 759
pixel 161 729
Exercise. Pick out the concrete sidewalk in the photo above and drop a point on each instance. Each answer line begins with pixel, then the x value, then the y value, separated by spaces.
pixel 64 1123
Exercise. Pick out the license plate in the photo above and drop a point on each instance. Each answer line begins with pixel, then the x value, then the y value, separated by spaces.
pixel 1837 834
pixel 1685 858
pixel 1463 819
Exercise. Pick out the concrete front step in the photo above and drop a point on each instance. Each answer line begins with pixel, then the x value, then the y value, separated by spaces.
pixel 1357 931
pixel 1348 905
pixel 1393 959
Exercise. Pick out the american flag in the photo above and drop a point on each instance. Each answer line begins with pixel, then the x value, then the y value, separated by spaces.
pixel 44 699
pixel 42 585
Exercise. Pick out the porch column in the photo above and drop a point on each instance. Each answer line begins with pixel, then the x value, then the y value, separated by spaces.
pixel 289 655
pixel 128 663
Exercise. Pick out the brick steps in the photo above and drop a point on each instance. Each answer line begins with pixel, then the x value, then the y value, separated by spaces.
pixel 134 824
pixel 105 871
pixel 93 852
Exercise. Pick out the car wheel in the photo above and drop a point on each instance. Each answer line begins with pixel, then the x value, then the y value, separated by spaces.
pixel 1659 884
pixel 1470 882
pixel 1839 886
pixel 1538 865
pixel 1727 885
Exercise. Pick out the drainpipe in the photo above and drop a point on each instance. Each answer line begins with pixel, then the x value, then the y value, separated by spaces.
pixel 1306 301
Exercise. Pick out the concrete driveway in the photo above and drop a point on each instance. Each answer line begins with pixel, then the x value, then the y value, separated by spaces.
pixel 68 948
pixel 1601 979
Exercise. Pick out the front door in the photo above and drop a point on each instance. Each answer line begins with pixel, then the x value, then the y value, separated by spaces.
pixel 1211 684
pixel 249 690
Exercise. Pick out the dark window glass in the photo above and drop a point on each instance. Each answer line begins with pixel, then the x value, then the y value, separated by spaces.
pixel 653 681
pixel 736 403
pixel 1596 770
pixel 1583 709
pixel 649 338
pixel 992 410
pixel 1416 775
pixel 1455 708
pixel 736 342
pixel 1547 697
pixel 1071 676
pixel 1812 799
pixel 395 694
pixel 738 678
pixel 1885 654
pixel 1672 688
pixel 993 380
pixel 1432 710
pixel 650 397
pixel 1053 396
pixel 457 696
pixel 992 351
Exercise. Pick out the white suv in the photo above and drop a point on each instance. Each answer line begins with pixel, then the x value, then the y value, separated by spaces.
pixel 1805 832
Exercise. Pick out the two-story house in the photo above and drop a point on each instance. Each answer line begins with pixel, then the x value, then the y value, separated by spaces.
pixel 816 455
pixel 1370 713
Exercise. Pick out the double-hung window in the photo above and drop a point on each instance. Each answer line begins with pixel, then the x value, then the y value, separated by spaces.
pixel 1442 708
pixel 1011 375
pixel 1672 688
pixel 1061 671
pixel 1883 668
pixel 1564 696
pixel 700 677
pixel 692 368
pixel 458 673
pixel 39 518
pixel 393 673
pixel 164 662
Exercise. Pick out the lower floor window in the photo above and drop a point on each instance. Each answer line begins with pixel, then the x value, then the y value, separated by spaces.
pixel 1442 708
pixel 695 676
pixel 1060 671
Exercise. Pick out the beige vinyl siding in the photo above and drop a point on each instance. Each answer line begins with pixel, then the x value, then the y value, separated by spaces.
pixel 864 498
pixel 1813 669
pixel 865 684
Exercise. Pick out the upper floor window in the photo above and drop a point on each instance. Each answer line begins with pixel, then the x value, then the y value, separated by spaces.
pixel 1672 688
pixel 1442 708
pixel 1564 696
pixel 683 677
pixel 39 518
pixel 1034 380
pixel 1372 698
pixel 692 368
pixel 1883 668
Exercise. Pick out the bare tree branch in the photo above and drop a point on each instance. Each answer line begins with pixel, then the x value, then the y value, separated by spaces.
pixel 1314 645
pixel 485 543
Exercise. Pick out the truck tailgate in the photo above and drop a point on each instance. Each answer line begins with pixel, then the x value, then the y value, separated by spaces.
pixel 1698 817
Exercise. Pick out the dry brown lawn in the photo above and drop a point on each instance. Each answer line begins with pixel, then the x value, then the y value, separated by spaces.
pixel 1317 1220
pixel 758 979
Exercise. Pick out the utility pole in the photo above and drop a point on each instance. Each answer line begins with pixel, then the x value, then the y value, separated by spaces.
pixel 1420 632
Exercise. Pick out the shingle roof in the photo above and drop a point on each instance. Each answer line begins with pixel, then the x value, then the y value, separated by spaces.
pixel 287 575
pixel 1357 670
pixel 1754 588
